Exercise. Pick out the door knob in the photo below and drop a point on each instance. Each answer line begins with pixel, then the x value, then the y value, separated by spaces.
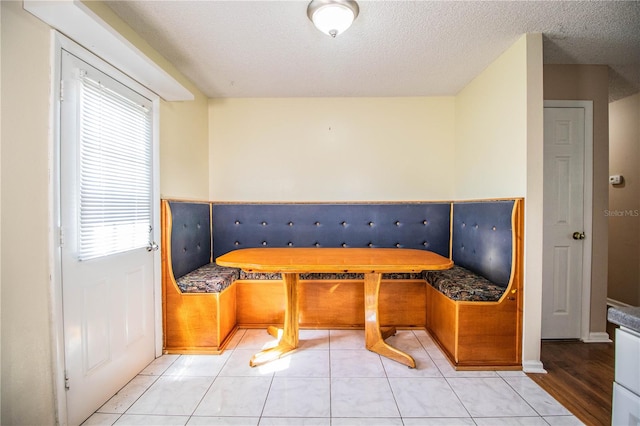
pixel 153 246
pixel 578 236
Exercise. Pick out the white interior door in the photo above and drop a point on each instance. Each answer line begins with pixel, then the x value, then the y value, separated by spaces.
pixel 107 262
pixel 564 223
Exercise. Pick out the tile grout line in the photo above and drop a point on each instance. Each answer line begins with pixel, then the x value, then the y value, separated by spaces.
pixel 210 386
pixel 385 370
pixel 139 396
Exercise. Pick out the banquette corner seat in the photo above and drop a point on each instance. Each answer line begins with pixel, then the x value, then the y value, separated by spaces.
pixel 474 310
pixel 477 324
pixel 199 297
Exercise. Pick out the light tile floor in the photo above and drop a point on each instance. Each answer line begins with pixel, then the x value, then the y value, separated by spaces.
pixel 330 380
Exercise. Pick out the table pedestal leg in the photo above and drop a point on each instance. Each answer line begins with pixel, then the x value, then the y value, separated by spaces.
pixel 289 340
pixel 374 339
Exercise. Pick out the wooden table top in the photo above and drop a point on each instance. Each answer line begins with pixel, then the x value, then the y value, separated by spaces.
pixel 315 259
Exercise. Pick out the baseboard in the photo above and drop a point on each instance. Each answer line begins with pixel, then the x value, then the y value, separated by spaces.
pixel 533 366
pixel 597 337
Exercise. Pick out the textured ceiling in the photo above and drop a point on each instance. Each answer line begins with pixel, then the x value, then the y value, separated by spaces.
pixel 394 48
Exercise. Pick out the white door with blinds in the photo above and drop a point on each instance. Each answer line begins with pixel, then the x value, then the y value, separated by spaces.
pixel 106 234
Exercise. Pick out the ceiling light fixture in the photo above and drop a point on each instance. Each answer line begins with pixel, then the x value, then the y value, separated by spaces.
pixel 332 17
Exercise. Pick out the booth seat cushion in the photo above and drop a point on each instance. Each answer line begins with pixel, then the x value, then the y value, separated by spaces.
pixel 210 278
pixel 461 284
pixel 327 276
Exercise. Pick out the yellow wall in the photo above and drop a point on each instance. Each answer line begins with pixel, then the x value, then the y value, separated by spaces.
pixel 27 349
pixel 325 149
pixel 184 144
pixel 498 153
pixel 27 358
pixel 184 149
pixel 624 201
pixel 491 129
pixel 591 82
pixel 485 142
pixel 239 149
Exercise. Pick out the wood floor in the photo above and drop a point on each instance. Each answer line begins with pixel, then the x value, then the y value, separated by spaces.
pixel 580 376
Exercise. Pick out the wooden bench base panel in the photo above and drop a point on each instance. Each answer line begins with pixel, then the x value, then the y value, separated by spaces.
pixel 198 323
pixel 331 303
pixel 475 335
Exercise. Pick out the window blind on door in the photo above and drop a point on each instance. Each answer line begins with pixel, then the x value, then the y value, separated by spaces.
pixel 115 172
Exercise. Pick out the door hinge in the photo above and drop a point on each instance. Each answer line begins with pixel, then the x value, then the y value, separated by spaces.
pixel 66 380
pixel 61 236
pixel 61 90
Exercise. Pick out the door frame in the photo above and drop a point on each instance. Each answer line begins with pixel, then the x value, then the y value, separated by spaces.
pixel 59 42
pixel 585 326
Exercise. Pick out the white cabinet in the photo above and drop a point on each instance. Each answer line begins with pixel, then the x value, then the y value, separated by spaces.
pixel 626 389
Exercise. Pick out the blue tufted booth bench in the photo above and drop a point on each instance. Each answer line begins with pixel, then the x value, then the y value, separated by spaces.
pixel 198 296
pixel 474 310
pixel 203 302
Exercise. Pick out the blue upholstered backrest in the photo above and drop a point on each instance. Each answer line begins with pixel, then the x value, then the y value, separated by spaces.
pixel 483 238
pixel 409 225
pixel 190 236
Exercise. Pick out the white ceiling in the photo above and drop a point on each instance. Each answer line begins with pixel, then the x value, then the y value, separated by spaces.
pixel 394 48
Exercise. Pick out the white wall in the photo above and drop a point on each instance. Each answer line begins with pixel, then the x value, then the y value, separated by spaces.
pixel 326 149
pixel 532 316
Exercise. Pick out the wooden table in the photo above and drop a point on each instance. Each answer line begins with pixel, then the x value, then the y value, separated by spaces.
pixel 372 262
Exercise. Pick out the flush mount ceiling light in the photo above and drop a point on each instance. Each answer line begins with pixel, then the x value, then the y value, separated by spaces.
pixel 332 17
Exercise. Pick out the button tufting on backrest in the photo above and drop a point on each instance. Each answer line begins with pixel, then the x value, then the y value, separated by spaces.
pixel 344 244
pixel 353 224
pixel 485 247
pixel 237 222
pixel 190 239
pixel 264 243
